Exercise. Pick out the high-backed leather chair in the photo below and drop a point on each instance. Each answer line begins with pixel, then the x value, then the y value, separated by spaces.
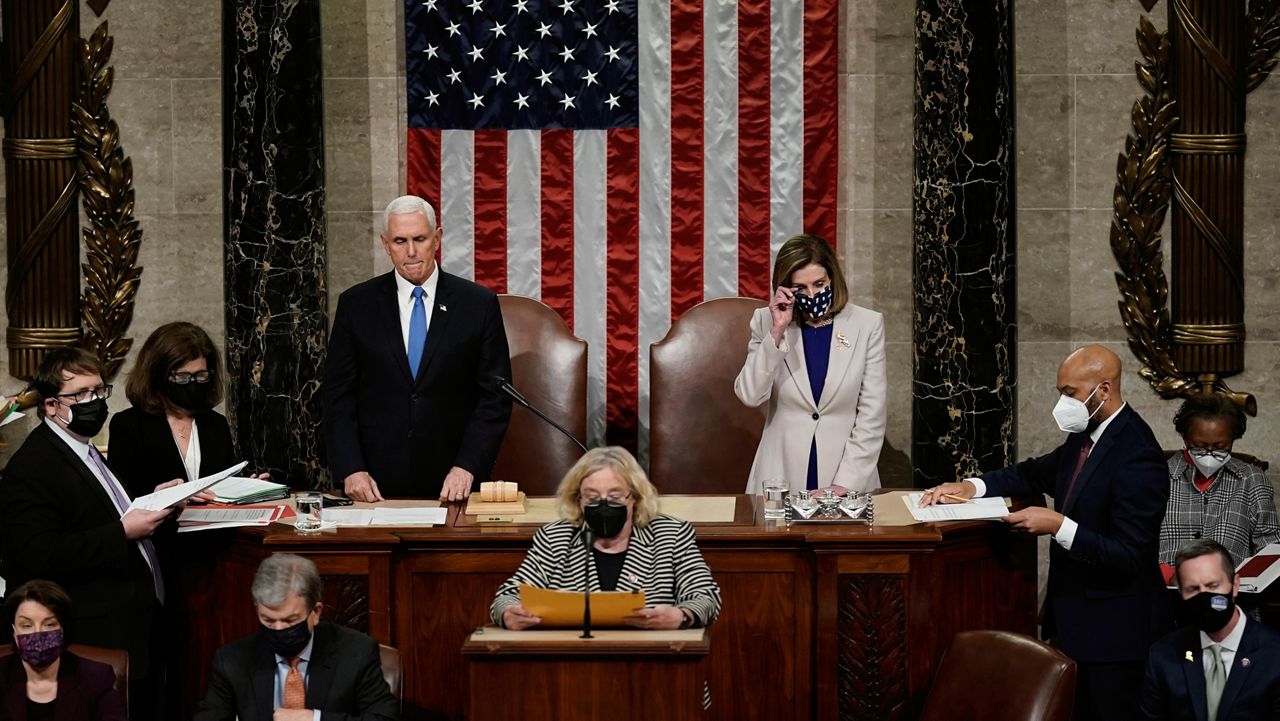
pixel 702 439
pixel 549 367
pixel 1001 676
pixel 117 659
pixel 392 671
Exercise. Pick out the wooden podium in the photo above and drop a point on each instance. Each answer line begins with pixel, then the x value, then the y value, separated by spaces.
pixel 618 675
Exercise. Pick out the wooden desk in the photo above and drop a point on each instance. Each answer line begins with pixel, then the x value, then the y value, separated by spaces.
pixel 846 622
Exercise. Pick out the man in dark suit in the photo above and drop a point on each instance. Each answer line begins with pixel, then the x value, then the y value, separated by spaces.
pixel 296 668
pixel 64 519
pixel 410 403
pixel 1103 604
pixel 1221 666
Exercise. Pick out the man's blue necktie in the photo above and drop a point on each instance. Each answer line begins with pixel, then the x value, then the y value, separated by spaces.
pixel 417 331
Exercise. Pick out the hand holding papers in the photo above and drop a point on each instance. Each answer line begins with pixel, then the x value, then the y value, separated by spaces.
pixel 172 496
pixel 563 609
pixel 979 509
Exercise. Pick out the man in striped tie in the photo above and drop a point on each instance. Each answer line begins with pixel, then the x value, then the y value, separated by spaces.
pixel 296 668
pixel 66 518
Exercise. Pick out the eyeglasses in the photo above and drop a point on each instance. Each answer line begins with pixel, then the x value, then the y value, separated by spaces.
pixel 184 378
pixel 102 392
pixel 1209 453
pixel 617 498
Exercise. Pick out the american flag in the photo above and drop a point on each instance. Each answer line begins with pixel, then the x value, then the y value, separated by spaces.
pixel 622 161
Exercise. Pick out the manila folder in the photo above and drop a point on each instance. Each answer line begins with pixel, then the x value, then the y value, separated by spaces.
pixel 563 609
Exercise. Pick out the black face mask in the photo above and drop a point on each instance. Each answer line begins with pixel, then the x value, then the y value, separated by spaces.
pixel 605 519
pixel 88 418
pixel 192 396
pixel 287 642
pixel 1208 611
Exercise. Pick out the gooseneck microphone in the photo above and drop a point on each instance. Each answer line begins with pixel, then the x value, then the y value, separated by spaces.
pixel 505 386
pixel 587 542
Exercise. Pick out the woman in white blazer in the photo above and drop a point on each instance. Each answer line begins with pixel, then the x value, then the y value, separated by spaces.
pixel 818 360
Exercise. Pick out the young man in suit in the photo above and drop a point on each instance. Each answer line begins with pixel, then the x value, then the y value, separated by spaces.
pixel 1103 606
pixel 1222 666
pixel 64 519
pixel 296 668
pixel 410 403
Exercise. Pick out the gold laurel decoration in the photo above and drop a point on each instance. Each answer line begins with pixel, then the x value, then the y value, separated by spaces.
pixel 112 237
pixel 1264 41
pixel 1141 200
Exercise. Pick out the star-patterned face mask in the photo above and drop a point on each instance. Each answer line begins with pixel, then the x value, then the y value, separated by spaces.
pixel 815 306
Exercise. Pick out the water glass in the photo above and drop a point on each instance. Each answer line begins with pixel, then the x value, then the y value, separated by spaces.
pixel 309 504
pixel 775 499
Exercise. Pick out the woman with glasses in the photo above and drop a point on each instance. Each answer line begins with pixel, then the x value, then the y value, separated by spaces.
pixel 1212 494
pixel 817 360
pixel 172 430
pixel 634 548
pixel 42 680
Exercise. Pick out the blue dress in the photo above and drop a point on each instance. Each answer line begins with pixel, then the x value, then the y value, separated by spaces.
pixel 817 356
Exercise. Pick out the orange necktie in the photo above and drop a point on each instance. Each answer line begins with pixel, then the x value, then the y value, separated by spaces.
pixel 295 694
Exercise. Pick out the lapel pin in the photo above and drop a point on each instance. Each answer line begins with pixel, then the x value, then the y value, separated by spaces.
pixel 1190 658
pixel 842 340
pixel 1244 663
pixel 632 578
pixel 443 308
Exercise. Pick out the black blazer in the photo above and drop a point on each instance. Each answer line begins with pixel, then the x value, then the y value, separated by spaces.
pixel 406 432
pixel 86 691
pixel 1104 599
pixel 344 679
pixel 143 454
pixel 1174 687
pixel 58 523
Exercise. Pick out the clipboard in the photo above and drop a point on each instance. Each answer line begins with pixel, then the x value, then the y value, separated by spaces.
pixel 563 609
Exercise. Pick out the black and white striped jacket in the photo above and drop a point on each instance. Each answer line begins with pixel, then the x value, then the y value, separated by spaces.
pixel 662 560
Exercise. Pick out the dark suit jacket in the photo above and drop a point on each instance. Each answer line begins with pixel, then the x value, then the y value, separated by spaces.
pixel 85 691
pixel 58 523
pixel 143 453
pixel 344 680
pixel 406 432
pixel 1174 687
pixel 1104 600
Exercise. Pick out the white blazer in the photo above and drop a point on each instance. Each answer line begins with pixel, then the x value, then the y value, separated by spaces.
pixel 847 422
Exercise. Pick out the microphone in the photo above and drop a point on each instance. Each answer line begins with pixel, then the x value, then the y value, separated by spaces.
pixel 586 587
pixel 505 386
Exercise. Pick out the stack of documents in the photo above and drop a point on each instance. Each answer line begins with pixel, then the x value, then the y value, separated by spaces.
pixel 205 519
pixel 978 509
pixel 384 516
pixel 1260 570
pixel 173 495
pixel 239 491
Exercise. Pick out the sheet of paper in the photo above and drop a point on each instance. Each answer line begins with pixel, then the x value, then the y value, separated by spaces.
pixel 229 515
pixel 699 509
pixel 982 509
pixel 15 415
pixel 348 516
pixel 170 497
pixel 563 609
pixel 405 516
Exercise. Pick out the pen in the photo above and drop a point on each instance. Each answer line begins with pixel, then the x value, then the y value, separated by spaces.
pixel 954 497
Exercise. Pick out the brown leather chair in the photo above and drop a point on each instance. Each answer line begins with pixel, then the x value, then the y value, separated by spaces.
pixel 702 439
pixel 392 671
pixel 117 659
pixel 1001 676
pixel 548 366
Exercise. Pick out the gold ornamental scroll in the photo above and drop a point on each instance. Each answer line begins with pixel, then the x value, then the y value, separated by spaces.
pixel 42 296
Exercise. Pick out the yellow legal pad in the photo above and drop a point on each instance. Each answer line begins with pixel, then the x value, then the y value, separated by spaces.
pixel 563 609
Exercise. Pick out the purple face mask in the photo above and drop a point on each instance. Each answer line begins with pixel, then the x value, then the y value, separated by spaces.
pixel 41 648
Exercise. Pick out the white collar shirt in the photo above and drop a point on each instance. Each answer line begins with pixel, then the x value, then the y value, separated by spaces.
pixel 404 301
pixel 1229 645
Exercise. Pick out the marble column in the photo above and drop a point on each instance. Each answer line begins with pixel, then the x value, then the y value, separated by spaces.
pixel 964 370
pixel 275 235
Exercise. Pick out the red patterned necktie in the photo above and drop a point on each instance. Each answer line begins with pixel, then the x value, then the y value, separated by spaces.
pixel 1084 456
pixel 295 694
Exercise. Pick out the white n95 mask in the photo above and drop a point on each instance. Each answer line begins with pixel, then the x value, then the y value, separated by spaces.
pixel 1208 462
pixel 1073 415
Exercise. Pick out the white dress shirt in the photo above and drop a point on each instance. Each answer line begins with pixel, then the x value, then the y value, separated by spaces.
pixel 404 301
pixel 192 459
pixel 1229 646
pixel 1066 534
pixel 81 450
